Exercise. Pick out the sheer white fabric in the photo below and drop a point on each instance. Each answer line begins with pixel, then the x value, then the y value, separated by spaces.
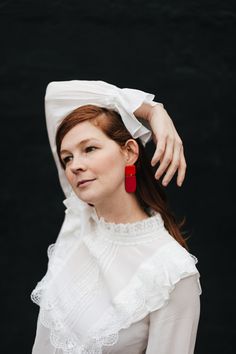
pixel 135 290
pixel 169 330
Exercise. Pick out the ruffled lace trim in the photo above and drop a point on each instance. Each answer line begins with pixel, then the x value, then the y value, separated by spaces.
pixel 148 290
pixel 141 227
pixel 50 250
pixel 129 233
pixel 83 212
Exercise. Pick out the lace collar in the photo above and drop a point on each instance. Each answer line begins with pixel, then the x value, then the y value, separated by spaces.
pixel 86 216
pixel 129 233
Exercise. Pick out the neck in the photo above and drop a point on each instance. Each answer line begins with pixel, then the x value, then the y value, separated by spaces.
pixel 122 210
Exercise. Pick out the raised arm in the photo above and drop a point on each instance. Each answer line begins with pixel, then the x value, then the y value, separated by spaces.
pixel 169 148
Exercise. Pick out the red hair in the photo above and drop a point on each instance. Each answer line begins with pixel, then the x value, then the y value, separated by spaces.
pixel 149 191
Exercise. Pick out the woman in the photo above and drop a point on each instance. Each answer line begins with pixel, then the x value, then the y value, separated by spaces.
pixel 120 278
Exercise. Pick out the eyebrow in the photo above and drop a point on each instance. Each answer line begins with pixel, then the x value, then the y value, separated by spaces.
pixel 81 143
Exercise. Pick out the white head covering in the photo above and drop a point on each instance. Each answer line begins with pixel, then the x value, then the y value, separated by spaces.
pixel 62 97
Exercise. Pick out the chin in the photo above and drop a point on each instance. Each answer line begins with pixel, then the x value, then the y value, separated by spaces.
pixel 86 199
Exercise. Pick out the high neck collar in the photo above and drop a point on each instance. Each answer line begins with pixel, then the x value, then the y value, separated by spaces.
pixel 134 231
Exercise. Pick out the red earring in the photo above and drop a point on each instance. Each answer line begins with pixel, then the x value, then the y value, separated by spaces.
pixel 130 178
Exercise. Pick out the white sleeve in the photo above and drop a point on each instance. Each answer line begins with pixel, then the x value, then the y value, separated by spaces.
pixel 42 342
pixel 173 328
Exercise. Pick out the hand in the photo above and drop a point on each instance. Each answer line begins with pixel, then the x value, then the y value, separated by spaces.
pixel 169 148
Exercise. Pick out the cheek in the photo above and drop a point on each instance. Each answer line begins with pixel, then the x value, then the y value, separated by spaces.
pixel 69 177
pixel 112 169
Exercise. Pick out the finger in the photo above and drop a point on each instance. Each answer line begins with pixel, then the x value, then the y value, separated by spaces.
pixel 181 169
pixel 167 158
pixel 174 164
pixel 159 152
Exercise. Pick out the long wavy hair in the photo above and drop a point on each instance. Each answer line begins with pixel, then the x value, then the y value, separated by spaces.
pixel 149 191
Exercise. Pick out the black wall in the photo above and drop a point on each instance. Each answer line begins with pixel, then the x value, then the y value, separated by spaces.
pixel 182 51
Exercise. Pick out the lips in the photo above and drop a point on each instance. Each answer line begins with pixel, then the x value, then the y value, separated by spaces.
pixel 84 180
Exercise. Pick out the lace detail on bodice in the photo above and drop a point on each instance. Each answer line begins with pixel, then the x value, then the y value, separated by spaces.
pixel 129 233
pixel 94 287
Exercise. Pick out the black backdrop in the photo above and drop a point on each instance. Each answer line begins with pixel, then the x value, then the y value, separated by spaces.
pixel 183 52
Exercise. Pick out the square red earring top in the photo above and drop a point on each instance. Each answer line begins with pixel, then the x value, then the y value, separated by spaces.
pixel 130 170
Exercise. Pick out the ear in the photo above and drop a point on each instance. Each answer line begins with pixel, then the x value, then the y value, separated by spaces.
pixel 131 151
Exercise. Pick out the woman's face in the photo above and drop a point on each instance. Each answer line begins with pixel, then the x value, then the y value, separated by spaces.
pixel 98 159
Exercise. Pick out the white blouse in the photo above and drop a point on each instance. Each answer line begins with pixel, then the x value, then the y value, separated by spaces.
pixel 122 288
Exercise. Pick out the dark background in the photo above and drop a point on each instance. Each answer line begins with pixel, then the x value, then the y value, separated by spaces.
pixel 184 53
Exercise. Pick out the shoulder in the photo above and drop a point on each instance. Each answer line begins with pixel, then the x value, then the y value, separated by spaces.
pixel 172 263
pixel 175 257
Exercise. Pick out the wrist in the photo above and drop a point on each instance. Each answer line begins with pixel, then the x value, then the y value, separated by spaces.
pixel 155 110
pixel 146 110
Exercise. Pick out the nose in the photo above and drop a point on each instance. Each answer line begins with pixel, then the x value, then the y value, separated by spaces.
pixel 77 164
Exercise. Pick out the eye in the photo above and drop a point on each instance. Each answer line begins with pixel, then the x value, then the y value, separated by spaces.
pixel 66 159
pixel 89 148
